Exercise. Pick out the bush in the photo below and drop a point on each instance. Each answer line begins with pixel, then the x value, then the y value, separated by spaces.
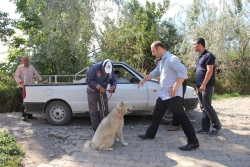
pixel 10 99
pixel 219 86
pixel 10 152
pixel 226 84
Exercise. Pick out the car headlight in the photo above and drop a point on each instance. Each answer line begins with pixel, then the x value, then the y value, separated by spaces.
pixel 194 93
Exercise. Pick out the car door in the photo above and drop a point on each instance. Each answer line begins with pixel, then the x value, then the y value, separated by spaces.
pixel 127 90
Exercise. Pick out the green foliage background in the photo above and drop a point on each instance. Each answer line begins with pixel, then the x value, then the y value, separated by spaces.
pixel 63 37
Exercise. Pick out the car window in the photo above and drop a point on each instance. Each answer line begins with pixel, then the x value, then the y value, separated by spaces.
pixel 125 77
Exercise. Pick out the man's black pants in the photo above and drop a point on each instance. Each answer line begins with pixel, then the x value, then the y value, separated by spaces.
pixel 177 110
pixel 23 108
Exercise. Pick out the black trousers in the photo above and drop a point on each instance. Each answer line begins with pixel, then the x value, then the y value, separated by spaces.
pixel 23 108
pixel 174 106
pixel 184 87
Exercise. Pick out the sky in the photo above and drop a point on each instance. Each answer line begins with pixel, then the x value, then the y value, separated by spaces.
pixel 10 8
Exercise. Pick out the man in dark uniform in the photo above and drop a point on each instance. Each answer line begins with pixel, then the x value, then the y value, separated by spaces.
pixel 98 77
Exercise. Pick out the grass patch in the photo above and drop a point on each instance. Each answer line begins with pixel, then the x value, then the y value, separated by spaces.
pixel 10 152
pixel 226 95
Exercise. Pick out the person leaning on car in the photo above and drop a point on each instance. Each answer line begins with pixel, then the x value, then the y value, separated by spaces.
pixel 98 77
pixel 172 73
pixel 24 75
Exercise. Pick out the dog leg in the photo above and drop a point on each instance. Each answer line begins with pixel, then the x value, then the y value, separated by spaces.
pixel 119 134
pixel 104 147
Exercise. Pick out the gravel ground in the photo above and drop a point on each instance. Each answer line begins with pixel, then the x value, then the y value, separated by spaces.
pixel 33 135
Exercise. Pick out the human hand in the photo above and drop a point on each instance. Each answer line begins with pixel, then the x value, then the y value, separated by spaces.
pixel 21 84
pixel 158 80
pixel 172 92
pixel 141 83
pixel 112 89
pixel 202 88
pixel 102 90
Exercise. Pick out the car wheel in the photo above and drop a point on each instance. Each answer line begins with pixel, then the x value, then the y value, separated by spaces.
pixel 167 118
pixel 58 113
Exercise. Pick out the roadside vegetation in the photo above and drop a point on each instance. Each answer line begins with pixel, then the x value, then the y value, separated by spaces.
pixel 64 37
pixel 226 95
pixel 10 152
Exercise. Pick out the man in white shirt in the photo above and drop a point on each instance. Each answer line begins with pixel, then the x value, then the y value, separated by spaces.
pixel 172 74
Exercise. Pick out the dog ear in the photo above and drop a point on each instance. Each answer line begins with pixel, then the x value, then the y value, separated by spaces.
pixel 121 103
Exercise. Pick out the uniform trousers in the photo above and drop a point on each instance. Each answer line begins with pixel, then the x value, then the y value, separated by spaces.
pixel 96 115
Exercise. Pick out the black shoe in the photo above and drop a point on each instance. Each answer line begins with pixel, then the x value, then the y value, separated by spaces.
pixel 24 118
pixel 31 117
pixel 214 132
pixel 144 136
pixel 201 131
pixel 189 147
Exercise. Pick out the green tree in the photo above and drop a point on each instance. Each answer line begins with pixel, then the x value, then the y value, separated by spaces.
pixel 6 31
pixel 129 38
pixel 226 31
pixel 58 34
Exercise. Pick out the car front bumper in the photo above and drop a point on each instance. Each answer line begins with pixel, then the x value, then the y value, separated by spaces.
pixel 191 104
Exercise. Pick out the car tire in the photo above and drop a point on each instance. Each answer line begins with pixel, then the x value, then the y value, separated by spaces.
pixel 58 113
pixel 167 118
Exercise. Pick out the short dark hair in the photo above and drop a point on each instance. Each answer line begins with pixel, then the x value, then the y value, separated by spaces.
pixel 117 72
pixel 200 41
pixel 158 44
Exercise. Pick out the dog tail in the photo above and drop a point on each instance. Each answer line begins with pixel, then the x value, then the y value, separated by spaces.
pixel 88 144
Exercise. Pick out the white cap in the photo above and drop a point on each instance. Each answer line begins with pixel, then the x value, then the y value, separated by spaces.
pixel 108 66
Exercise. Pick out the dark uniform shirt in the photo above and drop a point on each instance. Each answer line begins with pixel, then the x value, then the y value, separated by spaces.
pixel 206 58
pixel 96 78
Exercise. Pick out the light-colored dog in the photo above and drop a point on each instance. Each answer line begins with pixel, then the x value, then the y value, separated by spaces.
pixel 110 127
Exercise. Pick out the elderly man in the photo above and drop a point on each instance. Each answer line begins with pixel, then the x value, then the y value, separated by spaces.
pixel 98 77
pixel 24 75
pixel 172 74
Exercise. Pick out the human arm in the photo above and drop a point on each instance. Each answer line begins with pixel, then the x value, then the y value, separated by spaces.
pixel 208 75
pixel 176 86
pixel 141 83
pixel 37 76
pixel 91 79
pixel 18 77
pixel 112 83
pixel 181 70
pixel 153 74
